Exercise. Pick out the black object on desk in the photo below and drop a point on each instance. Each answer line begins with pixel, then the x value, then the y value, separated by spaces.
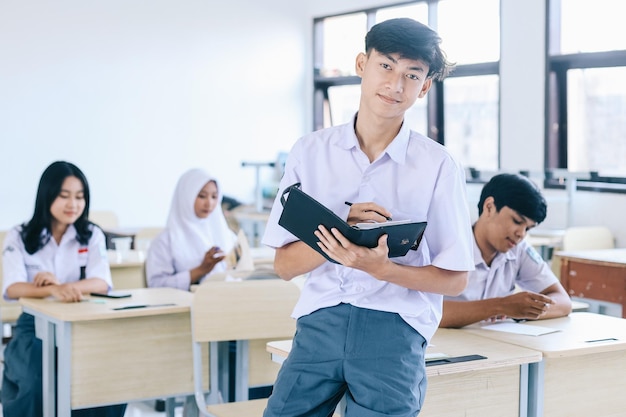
pixel 134 306
pixel 456 359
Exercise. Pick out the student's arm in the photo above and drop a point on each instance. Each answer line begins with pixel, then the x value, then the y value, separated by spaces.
pixel 68 292
pixel 550 303
pixel 457 314
pixel 296 258
pixel 211 258
pixel 160 271
pixel 562 304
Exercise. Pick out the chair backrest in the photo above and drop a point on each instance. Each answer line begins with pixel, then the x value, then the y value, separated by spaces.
pixel 106 219
pixel 145 235
pixel 588 237
pixel 9 310
pixel 243 310
pixel 248 310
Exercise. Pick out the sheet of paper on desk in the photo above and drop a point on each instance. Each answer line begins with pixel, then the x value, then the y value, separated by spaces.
pixel 519 328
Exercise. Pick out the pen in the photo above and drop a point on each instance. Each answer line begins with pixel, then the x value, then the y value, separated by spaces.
pixel 388 218
pixel 130 307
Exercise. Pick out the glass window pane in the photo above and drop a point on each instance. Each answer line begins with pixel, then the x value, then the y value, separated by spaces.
pixel 471 120
pixel 596 107
pixel 417 117
pixel 418 11
pixel 592 26
pixel 343 103
pixel 468 39
pixel 344 38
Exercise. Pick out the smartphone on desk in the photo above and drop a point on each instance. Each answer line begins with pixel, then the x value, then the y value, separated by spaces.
pixel 111 294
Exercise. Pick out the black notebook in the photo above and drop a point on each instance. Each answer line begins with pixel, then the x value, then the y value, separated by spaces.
pixel 302 214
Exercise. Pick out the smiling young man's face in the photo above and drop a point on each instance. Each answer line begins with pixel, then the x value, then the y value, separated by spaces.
pixel 390 85
pixel 505 228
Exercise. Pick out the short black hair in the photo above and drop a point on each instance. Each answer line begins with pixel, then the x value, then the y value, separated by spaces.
pixel 517 193
pixel 412 40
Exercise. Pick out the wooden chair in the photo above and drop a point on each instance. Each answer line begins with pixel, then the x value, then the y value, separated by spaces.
pixel 245 311
pixel 106 219
pixel 9 310
pixel 588 237
pixel 583 238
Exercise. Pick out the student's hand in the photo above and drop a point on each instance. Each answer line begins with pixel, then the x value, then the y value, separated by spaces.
pixel 526 305
pixel 336 246
pixel 211 258
pixel 43 279
pixel 367 212
pixel 66 292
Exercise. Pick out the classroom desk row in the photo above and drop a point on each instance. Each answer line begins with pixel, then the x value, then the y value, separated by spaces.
pixel 577 368
pixel 107 355
pixel 112 351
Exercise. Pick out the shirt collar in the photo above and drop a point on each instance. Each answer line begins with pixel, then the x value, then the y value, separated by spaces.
pixel 69 234
pixel 396 150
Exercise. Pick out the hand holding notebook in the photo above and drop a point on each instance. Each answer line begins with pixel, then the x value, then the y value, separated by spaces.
pixel 302 215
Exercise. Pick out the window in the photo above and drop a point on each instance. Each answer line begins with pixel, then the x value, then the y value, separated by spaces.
pixel 461 112
pixel 587 96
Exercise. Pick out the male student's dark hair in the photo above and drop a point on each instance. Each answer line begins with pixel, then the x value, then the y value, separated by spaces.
pixel 412 40
pixel 517 193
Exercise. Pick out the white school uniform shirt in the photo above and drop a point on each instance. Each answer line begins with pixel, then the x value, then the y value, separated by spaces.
pixel 415 178
pixel 64 260
pixel 181 246
pixel 521 266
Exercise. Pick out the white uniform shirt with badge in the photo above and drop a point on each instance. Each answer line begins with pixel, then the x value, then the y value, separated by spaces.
pixel 415 178
pixel 64 260
pixel 521 266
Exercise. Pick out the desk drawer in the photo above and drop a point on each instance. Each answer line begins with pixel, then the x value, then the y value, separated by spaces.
pixel 599 282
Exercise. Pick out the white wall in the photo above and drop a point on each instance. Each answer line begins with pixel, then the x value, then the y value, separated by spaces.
pixel 137 91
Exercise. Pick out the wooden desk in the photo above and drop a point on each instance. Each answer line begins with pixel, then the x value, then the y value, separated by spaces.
pixel 595 274
pixel 108 356
pixel 583 371
pixel 489 387
pixel 127 272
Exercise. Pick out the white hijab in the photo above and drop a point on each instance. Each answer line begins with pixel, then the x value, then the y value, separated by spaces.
pixel 191 236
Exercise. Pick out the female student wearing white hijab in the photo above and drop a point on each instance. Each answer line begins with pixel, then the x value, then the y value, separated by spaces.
pixel 196 238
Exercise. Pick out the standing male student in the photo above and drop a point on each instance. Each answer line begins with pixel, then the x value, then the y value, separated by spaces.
pixel 363 324
pixel 509 206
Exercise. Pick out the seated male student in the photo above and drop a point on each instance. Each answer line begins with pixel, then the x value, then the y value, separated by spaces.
pixel 510 205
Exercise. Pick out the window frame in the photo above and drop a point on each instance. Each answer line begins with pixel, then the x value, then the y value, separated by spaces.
pixel 556 125
pixel 435 97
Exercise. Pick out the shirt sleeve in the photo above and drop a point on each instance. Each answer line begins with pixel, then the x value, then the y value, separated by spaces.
pixel 275 235
pixel 98 260
pixel 534 274
pixel 449 233
pixel 160 269
pixel 13 261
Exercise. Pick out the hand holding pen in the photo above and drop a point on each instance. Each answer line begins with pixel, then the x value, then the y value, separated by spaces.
pixel 367 212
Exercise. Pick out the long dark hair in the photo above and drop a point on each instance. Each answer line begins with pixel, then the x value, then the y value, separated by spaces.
pixel 49 189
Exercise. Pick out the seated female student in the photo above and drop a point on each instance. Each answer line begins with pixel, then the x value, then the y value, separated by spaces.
pixel 196 238
pixel 57 253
